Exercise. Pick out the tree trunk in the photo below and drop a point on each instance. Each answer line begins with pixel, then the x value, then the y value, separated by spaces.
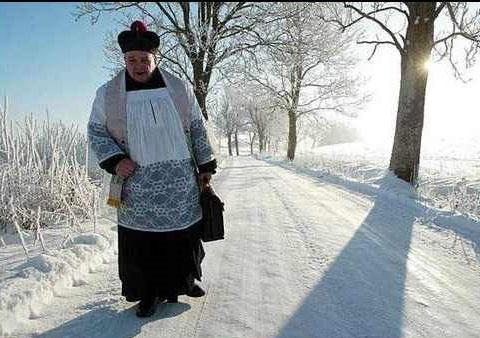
pixel 202 59
pixel 201 94
pixel 252 140
pixel 292 135
pixel 405 158
pixel 261 142
pixel 236 142
pixel 229 137
pixel 296 83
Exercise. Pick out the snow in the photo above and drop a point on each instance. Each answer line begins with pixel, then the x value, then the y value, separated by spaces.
pixel 449 172
pixel 322 247
pixel 43 276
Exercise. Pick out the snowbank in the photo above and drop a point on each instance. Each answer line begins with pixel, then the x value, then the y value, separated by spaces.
pixel 44 276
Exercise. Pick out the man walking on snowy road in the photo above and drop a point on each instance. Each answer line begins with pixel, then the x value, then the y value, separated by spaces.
pixel 140 126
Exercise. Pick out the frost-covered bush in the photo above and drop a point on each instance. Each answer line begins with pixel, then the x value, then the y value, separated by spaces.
pixel 457 194
pixel 43 176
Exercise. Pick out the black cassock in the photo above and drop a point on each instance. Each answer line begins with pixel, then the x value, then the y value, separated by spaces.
pixel 157 263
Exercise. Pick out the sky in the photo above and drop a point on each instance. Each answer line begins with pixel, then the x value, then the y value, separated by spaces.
pixel 50 61
pixel 452 110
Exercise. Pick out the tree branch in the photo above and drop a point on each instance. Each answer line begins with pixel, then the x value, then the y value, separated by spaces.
pixel 378 22
pixel 145 12
pixel 439 9
pixel 376 43
pixel 173 20
pixel 90 9
pixel 345 26
pixel 467 36
pixel 451 12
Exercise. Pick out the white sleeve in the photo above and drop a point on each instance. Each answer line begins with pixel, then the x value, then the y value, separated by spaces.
pixel 198 133
pixel 100 140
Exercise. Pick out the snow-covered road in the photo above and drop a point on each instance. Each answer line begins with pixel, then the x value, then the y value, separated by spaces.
pixel 303 257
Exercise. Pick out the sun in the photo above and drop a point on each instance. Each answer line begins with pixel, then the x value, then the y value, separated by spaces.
pixel 427 65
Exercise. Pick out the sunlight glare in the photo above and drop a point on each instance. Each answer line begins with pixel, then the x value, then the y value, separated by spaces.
pixel 427 65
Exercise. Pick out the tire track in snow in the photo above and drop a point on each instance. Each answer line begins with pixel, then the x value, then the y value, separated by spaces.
pixel 270 286
pixel 307 228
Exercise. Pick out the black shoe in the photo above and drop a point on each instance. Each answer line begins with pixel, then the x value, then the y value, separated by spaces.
pixel 196 291
pixel 146 307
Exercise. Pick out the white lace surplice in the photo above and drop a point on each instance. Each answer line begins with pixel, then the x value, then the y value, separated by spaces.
pixel 154 129
pixel 162 194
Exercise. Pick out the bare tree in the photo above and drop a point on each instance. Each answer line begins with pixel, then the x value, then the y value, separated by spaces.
pixel 221 118
pixel 308 70
pixel 259 119
pixel 195 37
pixel 410 28
pixel 251 137
pixel 229 119
pixel 313 127
pixel 258 114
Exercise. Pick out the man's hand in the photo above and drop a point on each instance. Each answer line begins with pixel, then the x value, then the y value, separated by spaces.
pixel 205 180
pixel 125 167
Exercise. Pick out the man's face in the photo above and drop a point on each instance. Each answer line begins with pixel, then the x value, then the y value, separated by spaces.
pixel 140 65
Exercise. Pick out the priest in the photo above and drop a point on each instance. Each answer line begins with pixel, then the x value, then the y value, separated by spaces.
pixel 144 128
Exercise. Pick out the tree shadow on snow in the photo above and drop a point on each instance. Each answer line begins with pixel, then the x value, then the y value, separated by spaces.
pixel 460 225
pixel 362 292
pixel 107 322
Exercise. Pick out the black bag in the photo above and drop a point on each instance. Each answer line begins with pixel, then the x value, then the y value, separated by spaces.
pixel 212 208
pixel 212 205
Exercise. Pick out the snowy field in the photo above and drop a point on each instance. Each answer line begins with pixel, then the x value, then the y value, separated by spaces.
pixel 360 255
pixel 449 176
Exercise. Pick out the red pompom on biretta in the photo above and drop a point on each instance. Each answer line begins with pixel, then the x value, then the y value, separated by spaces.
pixel 138 38
pixel 138 27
